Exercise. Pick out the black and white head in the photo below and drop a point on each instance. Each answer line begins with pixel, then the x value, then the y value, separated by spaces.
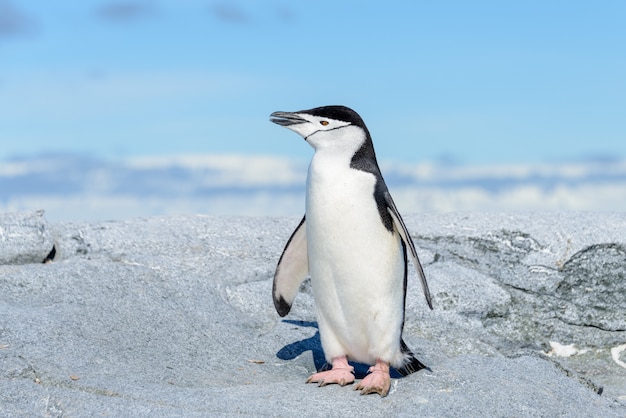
pixel 329 127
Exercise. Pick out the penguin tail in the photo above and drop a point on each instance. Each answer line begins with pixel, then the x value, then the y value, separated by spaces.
pixel 411 363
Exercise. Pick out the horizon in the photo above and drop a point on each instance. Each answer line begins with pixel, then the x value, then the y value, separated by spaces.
pixel 74 188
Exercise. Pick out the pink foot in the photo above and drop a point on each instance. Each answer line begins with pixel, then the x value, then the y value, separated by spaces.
pixel 378 381
pixel 340 374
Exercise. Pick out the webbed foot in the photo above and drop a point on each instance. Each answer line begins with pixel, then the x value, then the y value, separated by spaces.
pixel 378 381
pixel 340 374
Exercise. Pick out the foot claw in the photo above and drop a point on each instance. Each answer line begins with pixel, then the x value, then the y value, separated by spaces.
pixel 341 377
pixel 378 381
pixel 341 374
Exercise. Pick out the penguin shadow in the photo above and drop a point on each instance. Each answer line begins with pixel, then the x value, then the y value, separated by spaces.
pixel 314 344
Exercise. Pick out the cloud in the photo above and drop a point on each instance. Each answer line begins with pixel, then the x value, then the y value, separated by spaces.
pixel 233 12
pixel 229 12
pixel 74 188
pixel 14 23
pixel 224 170
pixel 284 13
pixel 123 11
pixel 589 196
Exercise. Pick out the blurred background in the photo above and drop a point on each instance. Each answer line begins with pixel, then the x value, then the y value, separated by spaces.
pixel 118 109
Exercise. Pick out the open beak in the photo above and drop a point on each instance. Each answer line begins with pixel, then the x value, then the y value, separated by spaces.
pixel 286 118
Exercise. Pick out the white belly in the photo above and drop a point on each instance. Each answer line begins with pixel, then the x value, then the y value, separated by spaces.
pixel 356 265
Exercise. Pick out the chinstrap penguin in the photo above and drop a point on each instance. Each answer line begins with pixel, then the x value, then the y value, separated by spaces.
pixel 353 243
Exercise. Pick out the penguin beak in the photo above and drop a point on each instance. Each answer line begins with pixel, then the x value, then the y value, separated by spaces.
pixel 286 118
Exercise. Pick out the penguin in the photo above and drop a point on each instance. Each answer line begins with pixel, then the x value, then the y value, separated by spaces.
pixel 353 244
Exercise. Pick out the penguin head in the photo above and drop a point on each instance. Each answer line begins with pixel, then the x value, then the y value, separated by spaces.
pixel 327 127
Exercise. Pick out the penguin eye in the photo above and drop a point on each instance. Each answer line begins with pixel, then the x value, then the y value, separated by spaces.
pixel 324 122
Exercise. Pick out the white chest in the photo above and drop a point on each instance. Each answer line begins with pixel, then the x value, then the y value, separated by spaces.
pixel 344 230
pixel 338 196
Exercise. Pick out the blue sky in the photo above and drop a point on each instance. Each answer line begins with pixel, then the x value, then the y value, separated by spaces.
pixel 472 82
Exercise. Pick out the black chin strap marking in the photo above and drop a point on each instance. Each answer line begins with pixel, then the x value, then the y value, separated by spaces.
pixel 306 138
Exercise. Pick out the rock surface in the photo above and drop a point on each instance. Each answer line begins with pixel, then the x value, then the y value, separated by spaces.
pixel 173 317
pixel 24 238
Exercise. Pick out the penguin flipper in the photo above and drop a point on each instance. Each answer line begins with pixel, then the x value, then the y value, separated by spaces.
pixel 411 364
pixel 404 234
pixel 291 271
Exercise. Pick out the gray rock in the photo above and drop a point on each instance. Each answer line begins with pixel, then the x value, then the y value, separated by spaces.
pixel 173 317
pixel 24 238
pixel 593 284
pixel 564 274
